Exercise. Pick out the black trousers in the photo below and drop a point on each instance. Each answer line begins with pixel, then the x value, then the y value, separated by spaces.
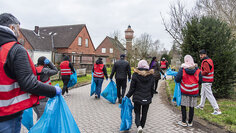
pixel 138 110
pixel 121 83
pixel 156 84
pixel 65 79
pixel 184 116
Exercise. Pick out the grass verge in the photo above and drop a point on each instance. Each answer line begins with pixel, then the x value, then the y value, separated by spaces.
pixel 228 107
pixel 80 80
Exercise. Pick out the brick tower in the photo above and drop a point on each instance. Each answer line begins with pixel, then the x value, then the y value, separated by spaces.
pixel 129 37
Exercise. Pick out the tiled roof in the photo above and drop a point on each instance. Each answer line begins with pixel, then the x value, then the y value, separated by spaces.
pixel 63 36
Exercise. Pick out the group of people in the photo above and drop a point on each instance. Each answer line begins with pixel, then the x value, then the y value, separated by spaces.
pixel 22 82
pixel 144 83
pixel 190 77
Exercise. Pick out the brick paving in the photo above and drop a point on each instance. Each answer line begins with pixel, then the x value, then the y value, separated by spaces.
pixel 100 116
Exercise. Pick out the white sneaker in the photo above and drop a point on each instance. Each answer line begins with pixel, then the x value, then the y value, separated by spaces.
pixel 140 129
pixel 182 124
pixel 199 107
pixel 216 112
pixel 190 124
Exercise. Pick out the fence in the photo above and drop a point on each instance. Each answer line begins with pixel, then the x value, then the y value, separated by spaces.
pixel 80 72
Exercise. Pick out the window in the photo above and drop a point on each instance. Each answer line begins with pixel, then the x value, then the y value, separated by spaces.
pixel 111 50
pixel 80 41
pixel 86 42
pixel 103 50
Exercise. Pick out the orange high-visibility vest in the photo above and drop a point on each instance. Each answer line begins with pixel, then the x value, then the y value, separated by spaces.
pixel 210 76
pixel 98 70
pixel 12 99
pixel 189 83
pixel 65 69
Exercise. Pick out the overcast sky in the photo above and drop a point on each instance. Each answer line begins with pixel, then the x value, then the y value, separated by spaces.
pixel 102 17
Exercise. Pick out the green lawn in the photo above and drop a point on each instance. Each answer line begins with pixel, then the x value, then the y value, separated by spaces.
pixel 228 107
pixel 80 80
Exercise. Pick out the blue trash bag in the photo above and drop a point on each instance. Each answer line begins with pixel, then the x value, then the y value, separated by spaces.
pixel 126 114
pixel 27 118
pixel 73 80
pixel 56 118
pixel 170 72
pixel 93 86
pixel 177 94
pixel 110 92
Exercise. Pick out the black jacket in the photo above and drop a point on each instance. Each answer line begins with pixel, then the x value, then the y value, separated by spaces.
pixel 48 71
pixel 122 69
pixel 104 68
pixel 17 67
pixel 157 70
pixel 142 86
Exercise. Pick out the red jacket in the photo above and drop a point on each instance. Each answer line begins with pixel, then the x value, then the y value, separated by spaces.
pixel 39 70
pixel 12 99
pixel 65 69
pixel 163 64
pixel 98 72
pixel 209 77
pixel 189 83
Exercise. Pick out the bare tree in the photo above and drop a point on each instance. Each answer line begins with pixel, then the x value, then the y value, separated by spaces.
pixel 178 18
pixel 143 45
pixel 222 9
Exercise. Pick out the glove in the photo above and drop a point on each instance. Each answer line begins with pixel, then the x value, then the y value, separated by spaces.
pixel 58 90
pixel 129 80
pixel 46 61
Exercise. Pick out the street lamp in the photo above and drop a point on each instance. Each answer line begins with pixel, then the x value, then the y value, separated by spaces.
pixel 52 34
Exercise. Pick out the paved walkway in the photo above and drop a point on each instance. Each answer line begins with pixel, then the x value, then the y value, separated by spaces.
pixel 100 116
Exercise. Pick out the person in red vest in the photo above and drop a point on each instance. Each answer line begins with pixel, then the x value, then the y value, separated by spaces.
pixel 44 70
pixel 164 64
pixel 189 77
pixel 207 68
pixel 67 69
pixel 19 87
pixel 99 71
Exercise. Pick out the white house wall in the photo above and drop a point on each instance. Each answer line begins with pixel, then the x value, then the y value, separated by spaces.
pixel 37 54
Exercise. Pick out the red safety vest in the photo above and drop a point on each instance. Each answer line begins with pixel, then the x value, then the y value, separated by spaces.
pixel 163 64
pixel 65 69
pixel 189 83
pixel 12 99
pixel 39 70
pixel 98 70
pixel 210 76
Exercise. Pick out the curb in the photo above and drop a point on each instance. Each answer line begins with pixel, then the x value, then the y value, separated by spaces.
pixel 198 122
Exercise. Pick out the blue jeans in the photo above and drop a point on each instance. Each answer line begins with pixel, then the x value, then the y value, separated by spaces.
pixel 11 126
pixel 98 82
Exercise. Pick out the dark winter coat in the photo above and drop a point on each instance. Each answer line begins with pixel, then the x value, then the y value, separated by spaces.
pixel 157 70
pixel 17 67
pixel 48 71
pixel 122 69
pixel 142 86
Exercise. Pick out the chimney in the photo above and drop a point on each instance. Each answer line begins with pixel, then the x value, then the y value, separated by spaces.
pixel 36 30
pixel 116 38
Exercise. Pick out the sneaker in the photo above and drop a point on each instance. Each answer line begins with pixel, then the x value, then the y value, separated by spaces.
pixel 199 107
pixel 216 112
pixel 182 124
pixel 190 124
pixel 140 129
pixel 96 96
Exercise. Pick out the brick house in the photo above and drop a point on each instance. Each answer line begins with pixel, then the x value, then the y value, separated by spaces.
pixel 112 48
pixel 56 41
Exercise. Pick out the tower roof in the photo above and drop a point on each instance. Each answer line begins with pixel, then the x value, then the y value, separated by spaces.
pixel 129 29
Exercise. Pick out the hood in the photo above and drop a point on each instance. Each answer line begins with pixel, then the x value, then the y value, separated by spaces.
pixel 99 62
pixel 191 71
pixel 6 35
pixel 144 72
